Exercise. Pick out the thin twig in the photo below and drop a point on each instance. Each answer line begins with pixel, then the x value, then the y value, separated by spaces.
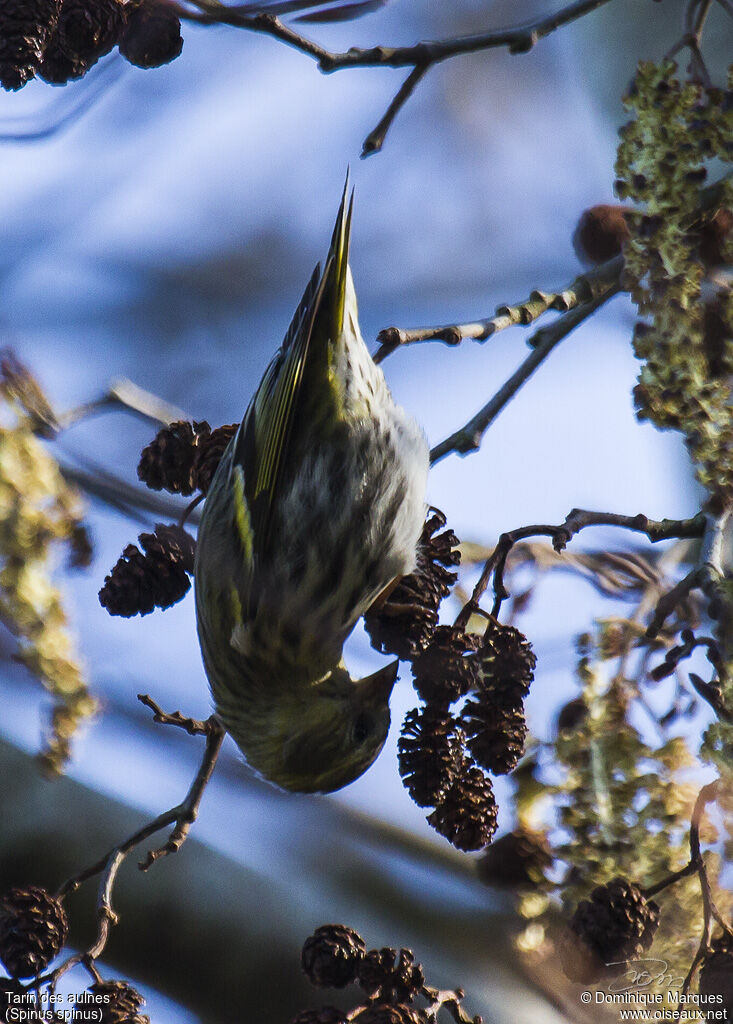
pixel 711 693
pixel 124 394
pixel 669 601
pixel 181 817
pixel 581 290
pixel 375 139
pixel 695 17
pixel 576 520
pixel 516 39
pixel 451 1000
pixel 706 795
pixel 193 726
pixel 469 437
pixel 689 869
pixel 705 574
pixel 137 503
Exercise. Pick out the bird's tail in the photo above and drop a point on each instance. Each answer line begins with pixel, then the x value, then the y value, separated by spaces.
pixel 337 262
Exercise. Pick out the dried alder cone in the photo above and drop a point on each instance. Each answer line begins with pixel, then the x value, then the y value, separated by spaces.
pixel 26 27
pixel 152 35
pixel 184 456
pixel 616 924
pixel 391 974
pixel 404 624
pixel 139 583
pixel 335 956
pixel 445 671
pixel 430 753
pixel 167 463
pixel 716 975
pixel 33 930
pixel 518 860
pixel 466 816
pixel 85 31
pixel 331 955
pixel 60 40
pixel 443 757
pixel 116 1002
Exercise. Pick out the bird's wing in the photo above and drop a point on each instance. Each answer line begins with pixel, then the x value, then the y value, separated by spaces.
pixel 262 443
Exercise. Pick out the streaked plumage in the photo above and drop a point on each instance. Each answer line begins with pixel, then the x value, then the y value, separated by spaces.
pixel 316 507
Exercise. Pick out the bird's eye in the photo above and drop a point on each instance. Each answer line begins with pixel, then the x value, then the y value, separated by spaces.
pixel 362 727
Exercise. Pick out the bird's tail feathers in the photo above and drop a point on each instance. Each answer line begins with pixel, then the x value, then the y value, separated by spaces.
pixel 337 265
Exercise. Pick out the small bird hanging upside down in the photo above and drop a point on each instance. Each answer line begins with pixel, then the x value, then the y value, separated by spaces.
pixel 315 509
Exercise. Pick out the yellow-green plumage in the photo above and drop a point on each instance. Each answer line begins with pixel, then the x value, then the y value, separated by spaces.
pixel 316 507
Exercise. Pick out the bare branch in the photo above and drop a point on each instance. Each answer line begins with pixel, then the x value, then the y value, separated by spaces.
pixel 420 56
pixel 181 817
pixel 576 520
pixel 710 912
pixel 192 726
pixel 375 139
pixel 695 17
pixel 581 290
pixel 709 570
pixel 469 437
pixel 124 394
pixel 450 999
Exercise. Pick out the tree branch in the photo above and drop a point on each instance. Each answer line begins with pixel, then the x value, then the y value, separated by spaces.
pixel 469 437
pixel 582 289
pixel 710 912
pixel 124 394
pixel 192 726
pixel 419 56
pixel 375 139
pixel 576 520
pixel 181 817
pixel 705 574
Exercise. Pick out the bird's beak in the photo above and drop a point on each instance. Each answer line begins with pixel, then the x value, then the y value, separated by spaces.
pixel 376 689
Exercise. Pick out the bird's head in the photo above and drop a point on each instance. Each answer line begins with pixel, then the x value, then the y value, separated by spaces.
pixel 320 740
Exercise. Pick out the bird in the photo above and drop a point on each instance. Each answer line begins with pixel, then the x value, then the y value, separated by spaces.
pixel 313 515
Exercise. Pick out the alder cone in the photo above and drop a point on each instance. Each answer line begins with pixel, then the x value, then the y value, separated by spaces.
pixel 152 35
pixel 26 27
pixel 331 955
pixel 615 925
pixel 716 975
pixel 122 1006
pixel 33 930
pixel 86 30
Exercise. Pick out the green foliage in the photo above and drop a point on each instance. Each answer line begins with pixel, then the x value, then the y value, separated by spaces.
pixel 618 806
pixel 684 384
pixel 39 511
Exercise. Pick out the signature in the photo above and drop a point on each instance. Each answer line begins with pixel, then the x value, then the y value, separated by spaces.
pixel 645 973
